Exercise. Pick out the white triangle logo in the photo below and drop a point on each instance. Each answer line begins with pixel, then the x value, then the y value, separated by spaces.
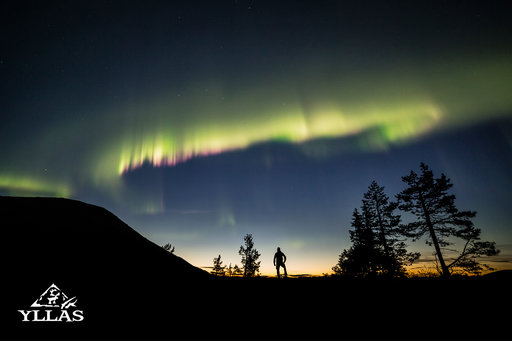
pixel 54 297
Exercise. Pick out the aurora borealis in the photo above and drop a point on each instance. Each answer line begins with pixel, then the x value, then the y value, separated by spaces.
pixel 197 122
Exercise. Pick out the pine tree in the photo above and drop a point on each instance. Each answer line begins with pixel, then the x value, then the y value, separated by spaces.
pixel 363 258
pixel 218 269
pixel 438 218
pixel 249 257
pixel 237 271
pixel 376 247
pixel 168 247
pixel 229 270
pixel 380 217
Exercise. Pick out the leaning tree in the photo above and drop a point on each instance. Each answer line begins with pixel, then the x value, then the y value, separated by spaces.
pixel 438 218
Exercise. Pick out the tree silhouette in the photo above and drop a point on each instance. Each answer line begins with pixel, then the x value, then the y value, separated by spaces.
pixel 218 269
pixel 363 258
pixel 249 257
pixel 376 247
pixel 380 217
pixel 168 247
pixel 229 270
pixel 236 271
pixel 438 218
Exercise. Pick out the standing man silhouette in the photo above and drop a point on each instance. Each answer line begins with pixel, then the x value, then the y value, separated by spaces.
pixel 279 260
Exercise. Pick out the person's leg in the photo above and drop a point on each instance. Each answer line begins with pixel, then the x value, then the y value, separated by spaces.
pixel 278 275
pixel 285 273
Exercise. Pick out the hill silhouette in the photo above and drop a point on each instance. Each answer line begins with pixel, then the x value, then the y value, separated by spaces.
pixel 130 288
pixel 88 252
pixel 82 236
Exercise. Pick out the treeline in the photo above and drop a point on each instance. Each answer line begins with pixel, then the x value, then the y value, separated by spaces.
pixel 378 235
pixel 250 264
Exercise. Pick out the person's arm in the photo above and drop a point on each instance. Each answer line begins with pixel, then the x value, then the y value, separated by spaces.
pixel 275 259
pixel 284 256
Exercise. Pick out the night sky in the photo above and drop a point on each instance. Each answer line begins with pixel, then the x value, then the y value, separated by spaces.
pixel 197 122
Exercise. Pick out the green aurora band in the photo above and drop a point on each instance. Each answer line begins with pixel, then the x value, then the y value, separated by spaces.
pixel 20 186
pixel 377 108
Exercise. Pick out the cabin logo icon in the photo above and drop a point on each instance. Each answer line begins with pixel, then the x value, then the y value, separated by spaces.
pixel 58 307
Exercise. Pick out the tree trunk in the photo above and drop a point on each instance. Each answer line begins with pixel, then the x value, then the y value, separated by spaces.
pixel 444 268
pixel 382 237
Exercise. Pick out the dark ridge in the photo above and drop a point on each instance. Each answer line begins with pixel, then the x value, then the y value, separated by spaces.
pixel 77 235
pixel 505 275
pixel 87 252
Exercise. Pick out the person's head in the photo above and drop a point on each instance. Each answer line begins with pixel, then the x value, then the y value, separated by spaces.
pixel 278 249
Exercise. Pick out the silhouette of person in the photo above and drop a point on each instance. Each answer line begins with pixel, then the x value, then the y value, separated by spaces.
pixel 279 260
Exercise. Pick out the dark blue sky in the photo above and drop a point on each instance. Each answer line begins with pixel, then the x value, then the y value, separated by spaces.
pixel 200 121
